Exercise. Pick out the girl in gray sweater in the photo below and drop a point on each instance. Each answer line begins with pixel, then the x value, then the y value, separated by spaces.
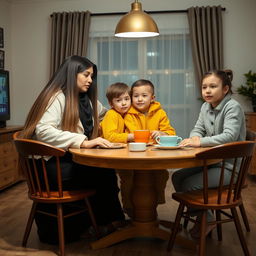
pixel 221 120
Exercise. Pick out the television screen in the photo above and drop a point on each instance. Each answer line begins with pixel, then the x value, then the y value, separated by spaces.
pixel 4 98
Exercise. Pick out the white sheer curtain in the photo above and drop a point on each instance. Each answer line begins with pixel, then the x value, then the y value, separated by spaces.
pixel 165 60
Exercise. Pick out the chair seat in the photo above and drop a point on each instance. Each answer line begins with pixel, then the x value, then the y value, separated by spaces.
pixel 195 199
pixel 68 196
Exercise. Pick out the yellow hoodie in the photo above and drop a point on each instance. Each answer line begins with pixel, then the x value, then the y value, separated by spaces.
pixel 113 127
pixel 155 119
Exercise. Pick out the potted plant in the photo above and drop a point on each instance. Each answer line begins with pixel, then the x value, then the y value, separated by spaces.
pixel 249 89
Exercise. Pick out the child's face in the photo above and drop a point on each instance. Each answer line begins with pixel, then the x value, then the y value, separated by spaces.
pixel 122 103
pixel 142 96
pixel 213 91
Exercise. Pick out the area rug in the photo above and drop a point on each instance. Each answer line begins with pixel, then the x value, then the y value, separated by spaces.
pixel 7 249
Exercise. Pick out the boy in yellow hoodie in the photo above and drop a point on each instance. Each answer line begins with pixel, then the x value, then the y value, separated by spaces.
pixel 147 114
pixel 112 125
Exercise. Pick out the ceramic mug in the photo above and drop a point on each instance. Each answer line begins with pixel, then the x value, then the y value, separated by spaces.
pixel 168 140
pixel 137 146
pixel 141 136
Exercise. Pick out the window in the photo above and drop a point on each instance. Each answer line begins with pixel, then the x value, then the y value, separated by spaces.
pixel 165 60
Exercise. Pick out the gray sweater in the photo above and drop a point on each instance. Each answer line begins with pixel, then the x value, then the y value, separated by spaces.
pixel 223 124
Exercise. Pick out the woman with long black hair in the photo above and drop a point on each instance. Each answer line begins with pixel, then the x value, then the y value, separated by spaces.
pixel 66 114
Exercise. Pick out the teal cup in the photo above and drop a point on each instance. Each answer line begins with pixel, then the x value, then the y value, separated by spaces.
pixel 168 140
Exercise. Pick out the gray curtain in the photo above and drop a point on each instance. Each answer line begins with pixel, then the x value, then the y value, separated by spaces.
pixel 69 36
pixel 206 32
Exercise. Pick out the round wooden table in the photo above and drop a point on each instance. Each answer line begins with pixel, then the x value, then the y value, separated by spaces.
pixel 144 164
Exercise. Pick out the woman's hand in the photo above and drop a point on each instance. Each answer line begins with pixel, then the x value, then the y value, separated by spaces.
pixel 191 142
pixel 96 142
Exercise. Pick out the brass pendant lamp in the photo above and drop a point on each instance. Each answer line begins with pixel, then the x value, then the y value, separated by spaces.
pixel 136 23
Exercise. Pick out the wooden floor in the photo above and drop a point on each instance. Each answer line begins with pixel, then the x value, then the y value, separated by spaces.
pixel 14 209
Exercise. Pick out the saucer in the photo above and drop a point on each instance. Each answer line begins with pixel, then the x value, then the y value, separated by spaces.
pixel 167 147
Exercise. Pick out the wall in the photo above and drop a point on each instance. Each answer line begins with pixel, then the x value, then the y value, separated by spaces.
pixel 5 23
pixel 28 44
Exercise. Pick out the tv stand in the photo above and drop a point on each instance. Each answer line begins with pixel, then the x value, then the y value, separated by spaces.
pixel 2 124
pixel 10 172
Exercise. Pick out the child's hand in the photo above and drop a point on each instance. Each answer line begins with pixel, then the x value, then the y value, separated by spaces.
pixel 130 137
pixel 155 134
pixel 191 142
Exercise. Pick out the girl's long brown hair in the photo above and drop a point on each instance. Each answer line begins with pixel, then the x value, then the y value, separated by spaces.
pixel 65 80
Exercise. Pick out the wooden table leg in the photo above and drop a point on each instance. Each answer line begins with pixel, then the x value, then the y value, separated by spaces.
pixel 144 222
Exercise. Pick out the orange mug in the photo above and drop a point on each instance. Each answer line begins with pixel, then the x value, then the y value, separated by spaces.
pixel 141 136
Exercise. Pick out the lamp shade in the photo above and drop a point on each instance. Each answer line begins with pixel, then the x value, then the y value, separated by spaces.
pixel 136 23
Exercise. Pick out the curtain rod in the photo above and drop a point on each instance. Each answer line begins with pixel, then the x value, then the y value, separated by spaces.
pixel 149 12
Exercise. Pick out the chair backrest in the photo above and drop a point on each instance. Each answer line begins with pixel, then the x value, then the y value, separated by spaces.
pixel 32 155
pixel 241 154
pixel 250 135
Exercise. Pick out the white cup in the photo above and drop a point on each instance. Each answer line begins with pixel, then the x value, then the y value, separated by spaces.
pixel 137 146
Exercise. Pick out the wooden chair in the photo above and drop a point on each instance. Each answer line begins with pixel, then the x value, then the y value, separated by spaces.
pixel 218 199
pixel 39 188
pixel 250 136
